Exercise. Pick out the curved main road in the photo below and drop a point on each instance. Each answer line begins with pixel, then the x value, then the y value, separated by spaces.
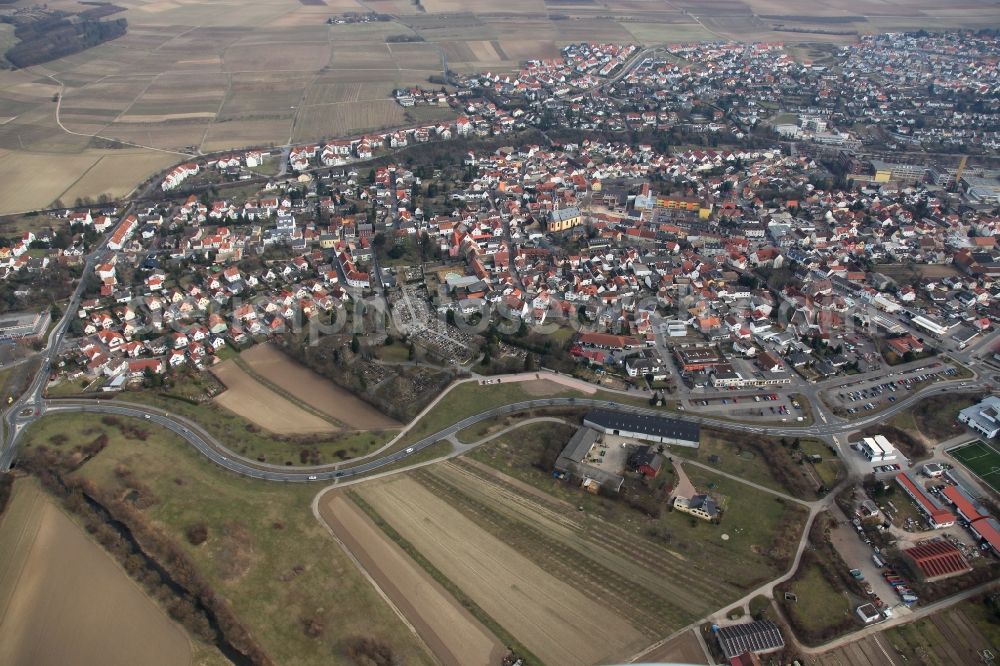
pixel 219 454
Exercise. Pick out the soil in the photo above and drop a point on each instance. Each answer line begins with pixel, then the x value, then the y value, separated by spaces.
pixel 63 600
pixel 450 631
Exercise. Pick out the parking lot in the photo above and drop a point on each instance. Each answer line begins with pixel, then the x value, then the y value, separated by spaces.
pixel 859 555
pixel 878 393
pixel 764 405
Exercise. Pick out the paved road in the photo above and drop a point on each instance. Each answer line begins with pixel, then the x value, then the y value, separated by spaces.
pixel 222 456
pixel 28 407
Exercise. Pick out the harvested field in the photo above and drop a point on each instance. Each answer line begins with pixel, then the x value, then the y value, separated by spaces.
pixel 449 630
pixel 277 57
pixel 416 56
pixel 63 600
pixel 552 618
pixel 253 95
pixel 49 178
pixel 235 133
pixel 113 174
pixel 313 390
pixel 348 118
pixel 684 649
pixel 257 403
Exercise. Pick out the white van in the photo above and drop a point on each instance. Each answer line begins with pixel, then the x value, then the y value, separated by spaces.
pixel 878 561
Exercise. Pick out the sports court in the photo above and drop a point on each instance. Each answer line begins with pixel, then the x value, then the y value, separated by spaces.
pixel 982 459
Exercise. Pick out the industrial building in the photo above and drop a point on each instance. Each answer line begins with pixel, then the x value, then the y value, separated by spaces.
pixel 877 449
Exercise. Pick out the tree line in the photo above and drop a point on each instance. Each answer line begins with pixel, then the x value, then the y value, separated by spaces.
pixel 56 37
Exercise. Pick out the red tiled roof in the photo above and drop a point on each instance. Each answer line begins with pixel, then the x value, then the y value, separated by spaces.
pixel 987 528
pixel 937 514
pixel 964 506
pixel 607 340
pixel 937 558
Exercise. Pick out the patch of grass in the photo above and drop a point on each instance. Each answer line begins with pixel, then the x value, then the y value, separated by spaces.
pixel 936 417
pixel 758 523
pixel 71 387
pixel 394 353
pixel 759 604
pixel 818 605
pixel 986 621
pixel 265 551
pixel 830 469
pixel 768 461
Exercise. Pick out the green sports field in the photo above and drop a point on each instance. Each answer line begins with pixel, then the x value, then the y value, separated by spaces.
pixel 982 459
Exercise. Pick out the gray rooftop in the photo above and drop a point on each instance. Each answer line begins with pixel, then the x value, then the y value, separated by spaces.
pixel 762 636
pixel 660 426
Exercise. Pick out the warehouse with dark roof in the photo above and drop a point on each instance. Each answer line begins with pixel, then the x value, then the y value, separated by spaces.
pixel 660 429
pixel 756 637
pixel 936 560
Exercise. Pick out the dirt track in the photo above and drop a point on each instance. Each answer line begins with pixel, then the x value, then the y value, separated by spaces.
pixel 314 390
pixel 247 397
pixel 550 617
pixel 63 600
pixel 451 632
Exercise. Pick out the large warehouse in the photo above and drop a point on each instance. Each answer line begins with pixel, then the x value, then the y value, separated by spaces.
pixel 660 429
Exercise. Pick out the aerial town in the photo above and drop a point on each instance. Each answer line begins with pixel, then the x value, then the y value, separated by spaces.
pixel 683 353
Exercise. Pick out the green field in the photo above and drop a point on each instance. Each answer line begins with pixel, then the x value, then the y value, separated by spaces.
pixel 265 552
pixel 982 459
pixel 819 605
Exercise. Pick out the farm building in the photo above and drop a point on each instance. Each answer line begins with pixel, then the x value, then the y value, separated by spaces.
pixel 756 637
pixel 658 429
pixel 644 460
pixel 984 418
pixel 937 515
pixel 936 560
pixel 573 461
